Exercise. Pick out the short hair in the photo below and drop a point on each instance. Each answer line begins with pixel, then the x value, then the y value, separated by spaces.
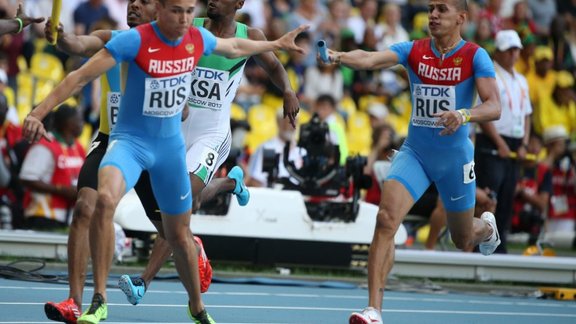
pixel 62 115
pixel 461 5
pixel 326 98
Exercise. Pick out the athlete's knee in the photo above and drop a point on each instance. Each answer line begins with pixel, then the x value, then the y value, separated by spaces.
pixel 179 238
pixel 106 201
pixel 386 222
pixel 83 210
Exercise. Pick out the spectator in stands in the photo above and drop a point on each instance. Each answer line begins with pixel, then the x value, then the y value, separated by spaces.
pixel 543 11
pixel 326 108
pixel 392 30
pixel 377 112
pixel 383 137
pixel 560 107
pixel 520 20
pixel 322 79
pixel 483 35
pixel 364 27
pixel 87 13
pixel 495 167
pixel 562 207
pixel 532 193
pixel 50 171
pixel 336 21
pixel 541 82
pixel 286 134
pixel 563 59
pixel 525 63
pixel 12 150
pixel 492 13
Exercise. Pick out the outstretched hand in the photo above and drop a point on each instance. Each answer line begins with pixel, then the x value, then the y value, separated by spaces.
pixel 287 41
pixel 25 19
pixel 33 129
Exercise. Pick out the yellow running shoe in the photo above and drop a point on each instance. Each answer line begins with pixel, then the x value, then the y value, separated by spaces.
pixel 97 312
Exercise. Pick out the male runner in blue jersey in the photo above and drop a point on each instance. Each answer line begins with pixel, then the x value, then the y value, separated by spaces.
pixel 138 12
pixel 444 73
pixel 161 57
pixel 207 129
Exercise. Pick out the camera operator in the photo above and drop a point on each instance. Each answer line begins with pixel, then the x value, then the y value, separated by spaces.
pixel 325 107
pixel 286 133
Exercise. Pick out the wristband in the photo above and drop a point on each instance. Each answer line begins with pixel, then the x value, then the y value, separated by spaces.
pixel 20 24
pixel 465 113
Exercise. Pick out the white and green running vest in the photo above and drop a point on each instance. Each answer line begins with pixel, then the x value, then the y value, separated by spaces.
pixel 214 84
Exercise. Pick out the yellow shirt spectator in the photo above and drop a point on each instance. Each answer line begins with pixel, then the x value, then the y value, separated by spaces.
pixel 558 108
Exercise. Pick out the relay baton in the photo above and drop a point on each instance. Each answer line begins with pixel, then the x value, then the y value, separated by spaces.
pixel 55 19
pixel 321 45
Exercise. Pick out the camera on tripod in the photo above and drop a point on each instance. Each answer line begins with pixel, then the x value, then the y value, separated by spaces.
pixel 320 174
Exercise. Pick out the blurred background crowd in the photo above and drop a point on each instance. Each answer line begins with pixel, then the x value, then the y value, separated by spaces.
pixel 371 109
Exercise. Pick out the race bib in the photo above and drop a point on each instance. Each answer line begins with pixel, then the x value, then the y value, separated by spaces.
pixel 208 88
pixel 166 97
pixel 209 158
pixel 112 107
pixel 429 100
pixel 469 174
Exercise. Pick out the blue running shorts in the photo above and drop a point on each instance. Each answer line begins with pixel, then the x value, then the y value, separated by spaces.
pixel 452 169
pixel 165 160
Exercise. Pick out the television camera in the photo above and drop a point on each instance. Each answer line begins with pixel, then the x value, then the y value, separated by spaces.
pixel 332 190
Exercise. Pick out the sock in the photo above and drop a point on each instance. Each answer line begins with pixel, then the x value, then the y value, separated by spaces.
pixel 140 282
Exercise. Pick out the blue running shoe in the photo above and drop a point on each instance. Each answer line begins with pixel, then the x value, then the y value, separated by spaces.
pixel 134 289
pixel 241 191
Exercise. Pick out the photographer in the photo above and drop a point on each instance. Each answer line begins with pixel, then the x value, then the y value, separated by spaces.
pixel 286 134
pixel 325 107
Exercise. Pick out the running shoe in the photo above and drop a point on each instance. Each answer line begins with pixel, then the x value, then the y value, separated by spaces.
pixel 489 246
pixel 204 267
pixel 202 318
pixel 97 312
pixel 66 311
pixel 134 289
pixel 241 191
pixel 368 315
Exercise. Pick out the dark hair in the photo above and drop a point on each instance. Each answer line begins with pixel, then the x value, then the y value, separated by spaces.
pixel 62 115
pixel 326 98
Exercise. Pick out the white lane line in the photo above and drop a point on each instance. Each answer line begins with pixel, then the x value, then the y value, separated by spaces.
pixel 555 304
pixel 334 309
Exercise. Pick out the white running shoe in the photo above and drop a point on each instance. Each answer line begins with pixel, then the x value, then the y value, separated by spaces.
pixel 368 315
pixel 487 247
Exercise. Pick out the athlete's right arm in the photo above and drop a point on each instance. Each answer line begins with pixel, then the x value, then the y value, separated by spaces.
pixel 82 45
pixel 33 129
pixel 364 60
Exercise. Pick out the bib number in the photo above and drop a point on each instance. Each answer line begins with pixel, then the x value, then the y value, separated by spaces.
pixel 209 158
pixel 208 88
pixel 112 107
pixel 469 175
pixel 430 100
pixel 166 97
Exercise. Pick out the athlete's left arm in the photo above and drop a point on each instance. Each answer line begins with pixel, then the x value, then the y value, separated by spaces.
pixel 490 107
pixel 239 47
pixel 276 72
pixel 33 129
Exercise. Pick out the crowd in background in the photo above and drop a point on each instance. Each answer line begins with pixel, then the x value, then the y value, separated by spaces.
pixel 372 108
